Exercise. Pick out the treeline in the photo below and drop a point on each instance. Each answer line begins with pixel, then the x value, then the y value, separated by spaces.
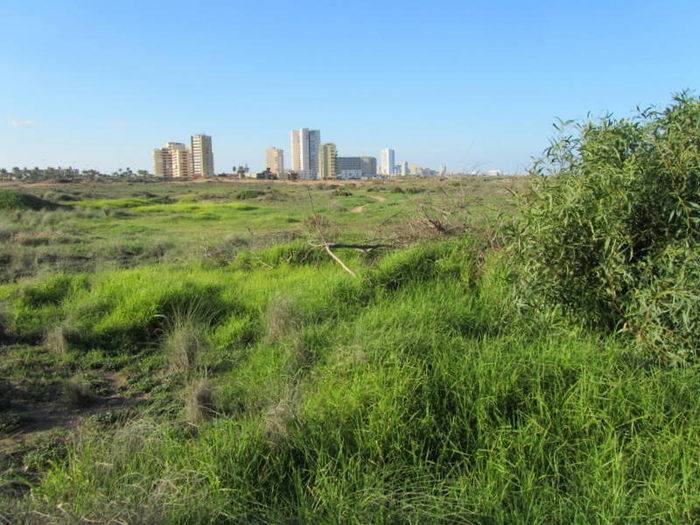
pixel 69 174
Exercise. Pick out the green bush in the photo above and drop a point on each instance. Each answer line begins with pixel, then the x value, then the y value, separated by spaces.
pixel 611 216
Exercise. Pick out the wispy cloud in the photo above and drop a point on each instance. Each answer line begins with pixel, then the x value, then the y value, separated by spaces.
pixel 22 122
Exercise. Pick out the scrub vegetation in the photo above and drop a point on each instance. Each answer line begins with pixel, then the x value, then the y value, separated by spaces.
pixel 210 362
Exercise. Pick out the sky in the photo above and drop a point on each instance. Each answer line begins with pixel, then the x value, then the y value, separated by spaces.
pixel 472 85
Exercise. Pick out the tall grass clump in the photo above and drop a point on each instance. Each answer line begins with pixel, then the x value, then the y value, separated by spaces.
pixel 609 230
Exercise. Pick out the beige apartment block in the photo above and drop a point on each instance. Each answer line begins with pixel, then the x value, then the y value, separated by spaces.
pixel 328 162
pixel 202 156
pixel 274 160
pixel 172 161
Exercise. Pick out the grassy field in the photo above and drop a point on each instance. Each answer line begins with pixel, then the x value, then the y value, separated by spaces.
pixel 122 225
pixel 188 353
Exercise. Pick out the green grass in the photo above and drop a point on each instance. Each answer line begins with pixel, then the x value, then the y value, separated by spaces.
pixel 127 225
pixel 279 389
pixel 409 394
pixel 16 200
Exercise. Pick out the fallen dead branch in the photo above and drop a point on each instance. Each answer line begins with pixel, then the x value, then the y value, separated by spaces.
pixel 363 247
pixel 339 261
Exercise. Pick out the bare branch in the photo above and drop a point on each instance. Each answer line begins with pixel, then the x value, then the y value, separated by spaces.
pixel 339 261
pixel 354 246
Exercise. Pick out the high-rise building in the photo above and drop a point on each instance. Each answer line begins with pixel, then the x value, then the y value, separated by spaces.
pixel 306 145
pixel 387 165
pixel 274 160
pixel 368 166
pixel 202 156
pixel 172 161
pixel 404 168
pixel 327 166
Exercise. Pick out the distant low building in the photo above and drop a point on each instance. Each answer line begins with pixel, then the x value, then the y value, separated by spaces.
pixel 349 168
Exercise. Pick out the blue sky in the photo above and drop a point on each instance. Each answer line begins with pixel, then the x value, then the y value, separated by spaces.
pixel 471 84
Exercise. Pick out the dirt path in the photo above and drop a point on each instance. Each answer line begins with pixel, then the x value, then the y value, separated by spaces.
pixel 360 209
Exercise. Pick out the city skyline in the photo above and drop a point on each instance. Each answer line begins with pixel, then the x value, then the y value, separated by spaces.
pixel 473 86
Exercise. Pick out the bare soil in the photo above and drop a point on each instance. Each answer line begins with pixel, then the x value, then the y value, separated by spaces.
pixel 39 419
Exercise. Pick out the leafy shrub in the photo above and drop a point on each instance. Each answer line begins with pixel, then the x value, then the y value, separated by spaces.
pixel 609 229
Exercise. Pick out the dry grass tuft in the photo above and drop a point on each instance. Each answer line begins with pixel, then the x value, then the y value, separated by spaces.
pixel 55 341
pixel 199 403
pixel 281 318
pixel 79 392
pixel 277 420
pixel 182 346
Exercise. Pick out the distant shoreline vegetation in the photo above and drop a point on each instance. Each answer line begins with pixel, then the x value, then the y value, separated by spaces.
pixel 68 175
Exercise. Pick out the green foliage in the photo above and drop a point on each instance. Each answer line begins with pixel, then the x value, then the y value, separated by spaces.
pixel 16 200
pixel 249 194
pixel 128 202
pixel 612 216
pixel 279 389
pixel 294 253
pixel 36 306
pixel 423 263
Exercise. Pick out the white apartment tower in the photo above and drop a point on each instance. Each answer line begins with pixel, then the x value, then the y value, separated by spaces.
pixel 172 161
pixel 387 162
pixel 274 160
pixel 306 144
pixel 202 156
